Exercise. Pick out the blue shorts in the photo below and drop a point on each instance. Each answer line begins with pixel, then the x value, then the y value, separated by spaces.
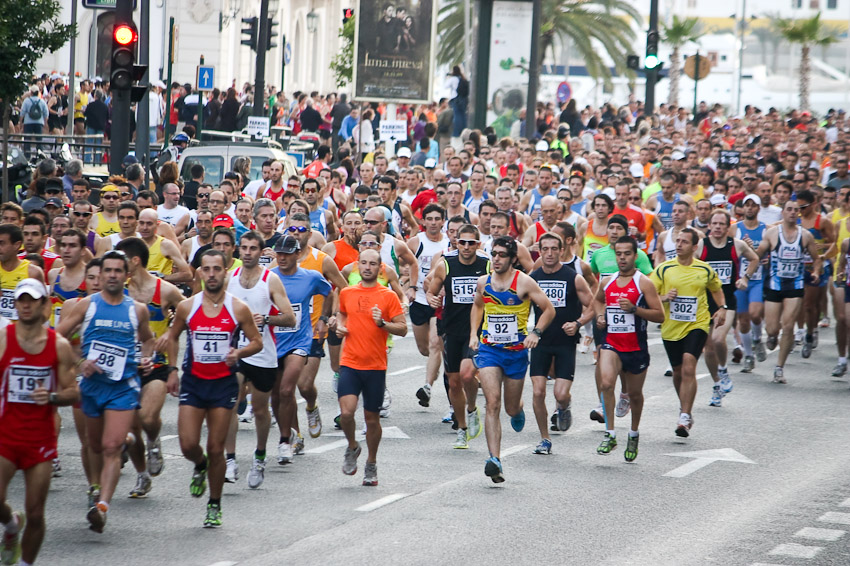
pixel 371 383
pixel 826 273
pixel 634 363
pixel 99 396
pixel 754 293
pixel 513 363
pixel 209 393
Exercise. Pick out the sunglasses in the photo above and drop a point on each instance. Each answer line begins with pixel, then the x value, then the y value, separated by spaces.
pixel 565 198
pixel 441 193
pixel 802 206
pixel 299 229
pixel 369 244
pixel 308 191
pixel 82 214
pixel 360 201
pixel 467 242
pixel 372 222
pixel 635 199
pixel 203 195
pixel 53 191
pixel 126 194
pixel 294 186
pixel 109 197
pixel 503 255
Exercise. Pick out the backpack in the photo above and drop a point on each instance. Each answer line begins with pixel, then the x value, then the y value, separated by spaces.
pixel 463 87
pixel 34 112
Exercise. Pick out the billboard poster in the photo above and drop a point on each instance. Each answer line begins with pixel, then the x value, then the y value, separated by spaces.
pixel 510 50
pixel 394 50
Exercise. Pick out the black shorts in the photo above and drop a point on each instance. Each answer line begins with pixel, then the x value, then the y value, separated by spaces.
pixel 564 357
pixel 263 379
pixel 692 344
pixel 420 314
pixel 634 363
pixel 455 350
pixel 296 352
pixel 599 335
pixel 317 348
pixel 209 393
pixel 369 383
pixel 159 373
pixel 731 300
pixel 333 339
pixel 772 296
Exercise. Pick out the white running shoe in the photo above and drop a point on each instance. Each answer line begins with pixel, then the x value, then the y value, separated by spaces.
pixel 257 473
pixel 231 471
pixel 623 406
pixel 314 422
pixel 386 405
pixel 284 453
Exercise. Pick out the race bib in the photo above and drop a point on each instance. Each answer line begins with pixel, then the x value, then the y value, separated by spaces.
pixel 296 308
pixel 23 380
pixel 619 321
pixel 683 309
pixel 591 249
pixel 556 291
pixel 723 270
pixel 56 313
pixel 502 328
pixel 745 263
pixel 243 340
pixel 110 359
pixel 265 260
pixel 788 269
pixel 7 304
pixel 210 347
pixel 463 290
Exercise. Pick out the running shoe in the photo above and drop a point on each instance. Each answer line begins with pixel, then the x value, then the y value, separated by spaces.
pixel 335 381
pixel 10 552
pixel 565 418
pixel 737 354
pixel 631 448
pixel 462 442
pixel 386 405
pixel 198 485
pixel 554 420
pixel 424 395
pixel 349 463
pixel 668 372
pixel 370 474
pixel 779 375
pixel 455 424
pixel 716 397
pixel 248 415
pixel 93 495
pixel 213 517
pixel 759 350
pixel 240 408
pixel 314 422
pixel 298 445
pixel 725 383
pixel 57 468
pixel 807 349
pixel 284 453
pixel 473 423
pixel 143 486
pixel 824 322
pixel 543 447
pixel 231 471
pixel 449 417
pixel 598 415
pixel 390 344
pixel 257 473
pixel 815 340
pixel 749 364
pixel 155 460
pixel 337 426
pixel 683 427
pixel 493 469
pixel 623 406
pixel 799 335
pixel 839 369
pixel 96 518
pixel 607 445
pixel 518 421
pixel 771 343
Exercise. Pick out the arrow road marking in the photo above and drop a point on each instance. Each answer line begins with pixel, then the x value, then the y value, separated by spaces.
pixel 703 458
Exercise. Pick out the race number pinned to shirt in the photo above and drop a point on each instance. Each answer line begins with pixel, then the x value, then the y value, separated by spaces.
pixel 296 308
pixel 463 290
pixel 502 328
pixel 7 304
pixel 619 321
pixel 683 309
pixel 723 270
pixel 23 380
pixel 110 359
pixel 210 347
pixel 556 291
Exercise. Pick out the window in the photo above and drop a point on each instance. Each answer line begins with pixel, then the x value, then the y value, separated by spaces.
pixel 814 4
pixel 692 4
pixel 831 4
pixel 796 4
pixel 213 168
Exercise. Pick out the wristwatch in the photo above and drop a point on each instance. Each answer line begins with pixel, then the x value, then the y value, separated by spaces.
pixel 536 332
pixel 725 307
pixel 323 318
pixel 266 320
pixel 53 398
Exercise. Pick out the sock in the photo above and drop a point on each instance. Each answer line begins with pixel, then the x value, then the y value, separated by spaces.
pixel 612 433
pixel 842 359
pixel 231 456
pixel 809 337
pixel 260 454
pixel 216 502
pixel 284 440
pixel 311 409
pixel 145 474
pixel 103 506
pixel 756 331
pixel 633 434
pixel 202 466
pixel 624 395
pixel 747 343
pixel 721 368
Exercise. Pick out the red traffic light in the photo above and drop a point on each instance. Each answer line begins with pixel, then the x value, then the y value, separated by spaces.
pixel 125 35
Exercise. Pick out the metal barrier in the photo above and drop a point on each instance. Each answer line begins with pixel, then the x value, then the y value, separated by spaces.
pixel 91 149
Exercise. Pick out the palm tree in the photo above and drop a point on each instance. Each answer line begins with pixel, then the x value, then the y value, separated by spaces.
pixel 588 24
pixel 677 34
pixel 807 32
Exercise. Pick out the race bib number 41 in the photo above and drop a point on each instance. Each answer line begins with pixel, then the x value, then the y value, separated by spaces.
pixel 683 309
pixel 210 347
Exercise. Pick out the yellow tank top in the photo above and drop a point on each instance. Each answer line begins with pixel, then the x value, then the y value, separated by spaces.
pixel 505 317
pixel 158 264
pixel 104 227
pixel 313 261
pixel 592 242
pixel 8 281
pixel 354 277
pixel 843 233
pixel 78 106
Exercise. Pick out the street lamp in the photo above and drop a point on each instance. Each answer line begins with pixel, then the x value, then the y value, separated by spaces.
pixel 312 22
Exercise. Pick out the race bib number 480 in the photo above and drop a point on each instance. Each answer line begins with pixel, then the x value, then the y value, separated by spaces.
pixel 683 309
pixel 556 291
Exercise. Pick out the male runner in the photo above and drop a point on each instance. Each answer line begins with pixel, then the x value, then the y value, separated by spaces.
pixel 35 240
pixel 549 215
pixel 594 233
pixel 105 222
pixel 665 248
pixel 203 239
pixel 625 302
pixel 503 300
pixel 37 376
pixel 265 217
pixel 321 219
pixel 209 389
pixel 499 226
pixel 13 270
pixel 571 297
pixel 112 326
pixel 750 301
pixel 814 290
pixel 166 261
pixel 128 225
pixel 68 281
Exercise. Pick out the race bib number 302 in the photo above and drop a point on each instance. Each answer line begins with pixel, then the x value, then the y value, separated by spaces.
pixel 683 309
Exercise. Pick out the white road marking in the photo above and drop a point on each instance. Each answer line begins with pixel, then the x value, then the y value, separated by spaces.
pixel 845 503
pixel 224 563
pixel 406 370
pixel 514 449
pixel 703 458
pixel 300 401
pixel 167 437
pixel 702 375
pixel 378 503
pixel 796 550
pixel 833 517
pixel 327 447
pixel 820 534
pixel 388 432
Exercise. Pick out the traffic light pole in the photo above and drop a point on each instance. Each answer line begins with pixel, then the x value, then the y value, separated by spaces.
pixel 651 74
pixel 119 144
pixel 260 73
pixel 143 146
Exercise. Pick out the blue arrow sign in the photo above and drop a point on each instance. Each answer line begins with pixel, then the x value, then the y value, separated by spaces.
pixel 205 79
pixel 287 53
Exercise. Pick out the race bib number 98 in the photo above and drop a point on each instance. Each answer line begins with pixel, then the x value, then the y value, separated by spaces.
pixel 109 358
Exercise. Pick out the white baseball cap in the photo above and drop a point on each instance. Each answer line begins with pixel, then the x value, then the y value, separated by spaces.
pixel 404 152
pixel 636 170
pixel 717 200
pixel 752 198
pixel 542 145
pixel 430 163
pixel 32 287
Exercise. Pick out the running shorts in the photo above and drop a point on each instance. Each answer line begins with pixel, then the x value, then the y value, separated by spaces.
pixel 693 344
pixel 25 455
pixel 209 393
pixel 420 314
pixel 513 363
pixel 634 363
pixel 263 379
pixel 99 396
pixel 370 383
pixel 754 293
pixel 455 350
pixel 563 356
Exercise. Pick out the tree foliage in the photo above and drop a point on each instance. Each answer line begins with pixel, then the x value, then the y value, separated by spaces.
pixel 679 32
pixel 807 33
pixel 342 63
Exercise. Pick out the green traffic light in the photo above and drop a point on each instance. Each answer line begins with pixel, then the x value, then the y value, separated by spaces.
pixel 651 61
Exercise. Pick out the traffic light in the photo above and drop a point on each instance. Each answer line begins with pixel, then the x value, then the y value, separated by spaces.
pixel 124 40
pixel 347 14
pixel 250 32
pixel 270 34
pixel 651 61
pixel 632 62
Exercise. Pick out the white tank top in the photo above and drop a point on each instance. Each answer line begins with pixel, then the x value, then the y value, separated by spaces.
pixel 115 238
pixel 194 249
pixel 427 250
pixel 258 299
pixel 669 246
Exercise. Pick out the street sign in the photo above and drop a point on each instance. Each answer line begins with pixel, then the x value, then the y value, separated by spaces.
pixel 103 4
pixel 258 126
pixel 691 66
pixel 565 92
pixel 393 130
pixel 703 458
pixel 287 53
pixel 205 77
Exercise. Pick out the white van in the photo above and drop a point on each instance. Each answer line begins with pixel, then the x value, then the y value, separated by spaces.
pixel 218 160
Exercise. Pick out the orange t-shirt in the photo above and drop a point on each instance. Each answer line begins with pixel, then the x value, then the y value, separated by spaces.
pixel 633 214
pixel 365 347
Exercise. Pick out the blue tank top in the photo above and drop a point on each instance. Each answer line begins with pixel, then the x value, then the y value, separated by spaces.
pixel 109 335
pixel 318 222
pixel 786 263
pixel 664 210
pixel 756 235
pixel 534 205
pixel 300 289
